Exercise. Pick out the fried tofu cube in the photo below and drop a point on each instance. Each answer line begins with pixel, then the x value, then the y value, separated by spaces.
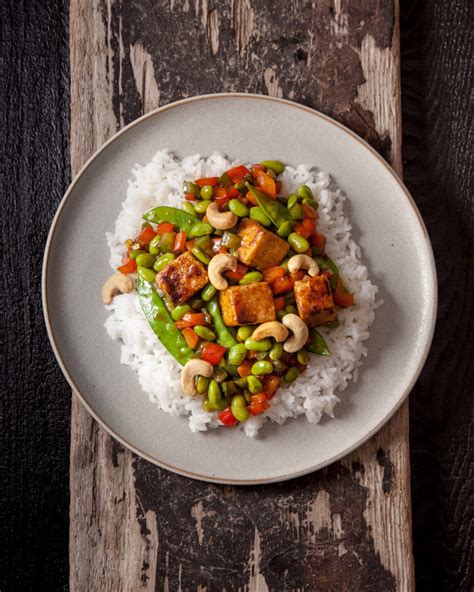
pixel 260 248
pixel 182 278
pixel 247 305
pixel 314 300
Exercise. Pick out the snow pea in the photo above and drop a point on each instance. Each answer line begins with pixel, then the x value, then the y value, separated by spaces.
pixel 327 263
pixel 162 323
pixel 317 344
pixel 276 211
pixel 224 336
pixel 183 220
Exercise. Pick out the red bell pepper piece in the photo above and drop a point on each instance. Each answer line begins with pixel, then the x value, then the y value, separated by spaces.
pixel 190 197
pixel 146 235
pixel 128 266
pixel 164 227
pixel 238 173
pixel 271 382
pixel 342 296
pixel 232 193
pixel 284 284
pixel 279 303
pixel 274 273
pixel 191 337
pixel 191 319
pixel 213 353
pixel 227 418
pixel 212 181
pixel 180 241
pixel 318 241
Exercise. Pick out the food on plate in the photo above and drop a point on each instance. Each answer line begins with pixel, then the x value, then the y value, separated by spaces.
pixel 239 313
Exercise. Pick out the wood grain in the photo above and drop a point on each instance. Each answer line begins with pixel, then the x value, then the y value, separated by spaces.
pixel 344 528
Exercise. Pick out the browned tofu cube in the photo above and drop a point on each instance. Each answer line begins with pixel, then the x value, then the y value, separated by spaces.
pixel 247 305
pixel 260 248
pixel 314 301
pixel 182 278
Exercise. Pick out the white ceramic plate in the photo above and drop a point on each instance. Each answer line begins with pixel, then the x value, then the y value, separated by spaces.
pixel 387 226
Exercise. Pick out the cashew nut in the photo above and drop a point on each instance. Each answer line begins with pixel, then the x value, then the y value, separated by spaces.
pixel 300 333
pixel 271 329
pixel 192 369
pixel 217 265
pixel 221 220
pixel 116 284
pixel 303 261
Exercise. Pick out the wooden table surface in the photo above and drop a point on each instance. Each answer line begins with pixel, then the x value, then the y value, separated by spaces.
pixel 135 525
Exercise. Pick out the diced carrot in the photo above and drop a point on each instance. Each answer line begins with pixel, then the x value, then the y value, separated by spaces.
pixel 252 355
pixel 297 275
pixel 302 230
pixel 180 241
pixel 238 274
pixel 284 284
pixel 245 369
pixel 190 197
pixel 309 224
pixel 219 192
pixel 273 273
pixel 190 244
pixel 279 303
pixel 309 211
pixel 191 319
pixel 212 181
pixel 250 197
pixel 257 408
pixel 271 382
pixel 342 296
pixel 128 266
pixel 164 227
pixel 190 336
pixel 259 398
pixel 264 182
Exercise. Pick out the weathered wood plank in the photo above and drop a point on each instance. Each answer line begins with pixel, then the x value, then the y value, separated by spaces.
pixel 344 528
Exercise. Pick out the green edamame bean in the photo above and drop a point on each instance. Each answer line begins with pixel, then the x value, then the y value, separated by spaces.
pixel 303 357
pixel 262 367
pixel 237 354
pixel 209 407
pixel 219 374
pixel 200 255
pixel 206 192
pixel 136 252
pixel 146 274
pixel 228 388
pixel 163 261
pixel 257 214
pixel 208 292
pixel 214 393
pixel 242 382
pixel 247 396
pixel 292 374
pixel 230 240
pixel 274 165
pixel 292 200
pixel 298 242
pixel 311 202
pixel 188 208
pixel 305 192
pixel 244 333
pixel 290 298
pixel 279 366
pixel 190 187
pixel 154 246
pixel 280 314
pixel 180 311
pixel 238 407
pixel 204 333
pixel 251 278
pixel 261 355
pixel 238 208
pixel 197 303
pixel 200 229
pixel 255 385
pixel 291 309
pixel 202 384
pixel 167 242
pixel 145 260
pixel 333 324
pixel 285 229
pixel 276 352
pixel 202 206
pixel 284 264
pixel 259 346
pixel 296 212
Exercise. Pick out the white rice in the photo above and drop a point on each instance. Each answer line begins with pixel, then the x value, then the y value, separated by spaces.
pixel 314 392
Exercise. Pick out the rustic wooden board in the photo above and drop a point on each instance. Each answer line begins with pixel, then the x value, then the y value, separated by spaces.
pixel 134 525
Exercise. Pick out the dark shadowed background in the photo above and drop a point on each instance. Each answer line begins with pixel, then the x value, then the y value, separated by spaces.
pixel 437 57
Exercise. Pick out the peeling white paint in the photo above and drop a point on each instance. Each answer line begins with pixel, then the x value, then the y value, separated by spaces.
pixel 213 30
pixel 198 514
pixel 271 82
pixel 243 21
pixel 339 25
pixel 144 74
pixel 256 581
pixel 319 512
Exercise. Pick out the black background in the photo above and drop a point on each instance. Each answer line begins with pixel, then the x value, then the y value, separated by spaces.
pixel 437 56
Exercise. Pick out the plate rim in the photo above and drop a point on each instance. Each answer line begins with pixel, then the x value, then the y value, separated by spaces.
pixel 161 463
